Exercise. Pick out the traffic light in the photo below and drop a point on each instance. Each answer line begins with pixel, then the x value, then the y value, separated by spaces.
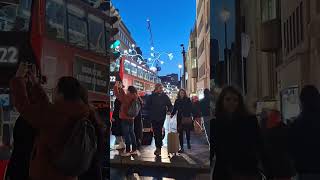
pixel 115 44
pixel 112 31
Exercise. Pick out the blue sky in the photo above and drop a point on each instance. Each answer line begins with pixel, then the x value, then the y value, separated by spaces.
pixel 171 23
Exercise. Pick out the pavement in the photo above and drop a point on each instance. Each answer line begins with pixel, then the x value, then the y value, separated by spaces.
pixel 192 164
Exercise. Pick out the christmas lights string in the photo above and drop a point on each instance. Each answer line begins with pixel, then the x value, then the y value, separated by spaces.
pixel 153 61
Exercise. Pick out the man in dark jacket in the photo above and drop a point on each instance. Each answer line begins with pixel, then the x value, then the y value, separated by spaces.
pixel 304 133
pixel 158 104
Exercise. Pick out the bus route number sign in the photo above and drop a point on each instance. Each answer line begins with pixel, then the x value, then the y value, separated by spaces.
pixel 8 55
pixel 112 79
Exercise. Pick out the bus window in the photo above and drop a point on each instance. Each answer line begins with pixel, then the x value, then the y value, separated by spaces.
pixel 96 35
pixel 127 67
pixel 77 27
pixel 15 17
pixel 55 19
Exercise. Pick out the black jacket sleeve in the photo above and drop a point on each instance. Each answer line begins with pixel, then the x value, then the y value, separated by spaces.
pixel 175 107
pixel 168 103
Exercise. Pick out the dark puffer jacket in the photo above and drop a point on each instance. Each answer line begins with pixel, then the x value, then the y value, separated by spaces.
pixel 158 104
pixel 304 142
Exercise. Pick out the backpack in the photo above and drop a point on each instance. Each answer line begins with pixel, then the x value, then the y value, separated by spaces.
pixel 134 108
pixel 77 154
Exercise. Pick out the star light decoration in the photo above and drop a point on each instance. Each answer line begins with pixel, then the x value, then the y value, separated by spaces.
pixel 153 62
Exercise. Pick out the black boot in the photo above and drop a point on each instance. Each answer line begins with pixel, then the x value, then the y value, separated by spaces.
pixel 189 145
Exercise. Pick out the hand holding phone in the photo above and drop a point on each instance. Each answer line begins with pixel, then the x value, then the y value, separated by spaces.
pixel 22 70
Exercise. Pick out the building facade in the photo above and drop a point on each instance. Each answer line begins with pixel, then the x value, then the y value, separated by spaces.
pixel 203 44
pixel 264 51
pixel 284 50
pixel 192 63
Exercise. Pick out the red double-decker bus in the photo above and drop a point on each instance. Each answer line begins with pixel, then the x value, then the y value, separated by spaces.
pixel 63 38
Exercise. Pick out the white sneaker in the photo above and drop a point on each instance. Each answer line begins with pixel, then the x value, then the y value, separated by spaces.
pixel 120 146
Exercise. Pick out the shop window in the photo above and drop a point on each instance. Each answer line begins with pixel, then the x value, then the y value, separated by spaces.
pixel 301 22
pixel 294 30
pixel 269 10
pixel 201 48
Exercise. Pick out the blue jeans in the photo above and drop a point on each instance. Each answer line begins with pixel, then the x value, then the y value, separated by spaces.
pixel 127 127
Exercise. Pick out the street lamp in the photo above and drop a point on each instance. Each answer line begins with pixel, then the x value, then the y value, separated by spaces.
pixel 225 15
pixel 184 65
pixel 180 67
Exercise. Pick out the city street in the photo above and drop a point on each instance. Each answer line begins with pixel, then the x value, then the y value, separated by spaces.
pixel 192 164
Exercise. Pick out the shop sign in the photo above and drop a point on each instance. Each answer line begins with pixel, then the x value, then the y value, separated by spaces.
pixel 92 75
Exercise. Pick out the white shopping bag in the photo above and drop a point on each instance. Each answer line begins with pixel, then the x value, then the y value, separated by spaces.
pixel 172 124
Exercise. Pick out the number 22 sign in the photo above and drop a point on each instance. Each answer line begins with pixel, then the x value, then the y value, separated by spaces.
pixel 8 55
pixel 112 79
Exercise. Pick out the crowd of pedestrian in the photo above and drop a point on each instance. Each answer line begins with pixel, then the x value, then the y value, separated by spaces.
pixel 188 112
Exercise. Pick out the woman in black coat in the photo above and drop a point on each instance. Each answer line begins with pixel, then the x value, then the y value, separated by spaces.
pixel 184 107
pixel 23 136
pixel 237 141
pixel 116 125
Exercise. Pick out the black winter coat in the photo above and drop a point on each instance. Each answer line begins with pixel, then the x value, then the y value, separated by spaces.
pixel 23 135
pixel 116 123
pixel 184 108
pixel 304 142
pixel 158 104
pixel 238 146
pixel 279 162
pixel 205 106
pixel 196 110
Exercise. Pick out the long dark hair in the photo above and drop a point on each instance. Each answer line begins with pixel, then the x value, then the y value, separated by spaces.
pixel 241 110
pixel 185 92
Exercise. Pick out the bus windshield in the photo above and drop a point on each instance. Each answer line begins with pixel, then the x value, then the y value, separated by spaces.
pixel 15 17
